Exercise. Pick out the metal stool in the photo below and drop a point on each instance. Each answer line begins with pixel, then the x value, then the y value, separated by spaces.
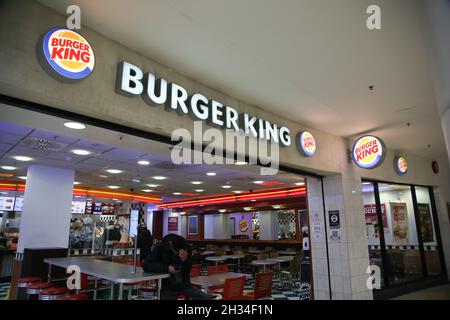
pixel 53 293
pixel 23 283
pixel 33 290
pixel 81 296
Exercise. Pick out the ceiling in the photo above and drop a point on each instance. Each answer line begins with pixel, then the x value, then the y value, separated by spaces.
pixel 307 60
pixel 18 127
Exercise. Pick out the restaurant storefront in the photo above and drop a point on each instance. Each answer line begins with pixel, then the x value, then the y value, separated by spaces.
pixel 327 204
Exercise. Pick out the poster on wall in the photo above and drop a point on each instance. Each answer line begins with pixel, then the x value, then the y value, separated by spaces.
pixel 399 214
pixel 172 224
pixel 426 224
pixel 192 225
pixel 6 203
pixel 134 220
pixel 370 213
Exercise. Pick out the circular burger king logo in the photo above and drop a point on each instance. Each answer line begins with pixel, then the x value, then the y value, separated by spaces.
pixel 306 143
pixel 66 54
pixel 400 165
pixel 243 225
pixel 368 152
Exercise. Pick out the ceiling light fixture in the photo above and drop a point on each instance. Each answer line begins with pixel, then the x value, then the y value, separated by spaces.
pixel 226 187
pixel 237 191
pixel 276 206
pixel 258 182
pixel 247 208
pixel 143 162
pixel 23 177
pixel 9 168
pixel 135 180
pixel 211 174
pixel 74 125
pixel 23 158
pixel 147 190
pixel 176 193
pixel 299 183
pixel 76 182
pixel 114 171
pixel 159 178
pixel 199 190
pixel 113 187
pixel 81 152
pixel 222 210
pixel 152 185
pixel 196 182
pixel 240 163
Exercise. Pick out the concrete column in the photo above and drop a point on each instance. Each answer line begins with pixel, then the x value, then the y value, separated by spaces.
pixel 47 204
pixel 268 225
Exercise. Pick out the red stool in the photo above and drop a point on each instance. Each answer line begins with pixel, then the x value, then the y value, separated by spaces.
pixel 81 296
pixel 33 290
pixel 53 293
pixel 23 283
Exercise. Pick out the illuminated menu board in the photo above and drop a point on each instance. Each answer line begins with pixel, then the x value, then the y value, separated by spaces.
pixel 18 205
pixel 99 208
pixel 7 203
pixel 78 207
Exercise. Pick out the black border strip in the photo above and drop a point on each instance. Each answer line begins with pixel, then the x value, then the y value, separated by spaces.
pixel 32 106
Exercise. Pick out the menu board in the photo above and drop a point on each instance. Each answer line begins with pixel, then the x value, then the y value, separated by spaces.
pixel 400 227
pixel 18 204
pixel 7 203
pixel 134 219
pixel 78 207
pixel 99 208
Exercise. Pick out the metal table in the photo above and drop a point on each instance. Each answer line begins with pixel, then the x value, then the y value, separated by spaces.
pixel 215 280
pixel 280 260
pixel 237 257
pixel 208 252
pixel 263 263
pixel 111 271
pixel 288 253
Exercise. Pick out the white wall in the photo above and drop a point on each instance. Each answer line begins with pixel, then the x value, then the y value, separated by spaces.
pixel 216 226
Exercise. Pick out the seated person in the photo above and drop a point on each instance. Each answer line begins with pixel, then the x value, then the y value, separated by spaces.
pixel 173 255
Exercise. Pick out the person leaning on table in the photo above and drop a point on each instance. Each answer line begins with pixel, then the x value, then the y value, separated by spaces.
pixel 173 255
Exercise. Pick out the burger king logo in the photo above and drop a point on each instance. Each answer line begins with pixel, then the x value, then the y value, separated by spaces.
pixel 400 165
pixel 368 152
pixel 243 225
pixel 66 55
pixel 306 143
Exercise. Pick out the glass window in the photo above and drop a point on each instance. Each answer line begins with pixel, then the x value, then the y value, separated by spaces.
pixel 402 245
pixel 373 227
pixel 428 232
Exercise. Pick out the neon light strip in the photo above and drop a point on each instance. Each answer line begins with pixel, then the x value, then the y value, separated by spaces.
pixel 89 192
pixel 236 198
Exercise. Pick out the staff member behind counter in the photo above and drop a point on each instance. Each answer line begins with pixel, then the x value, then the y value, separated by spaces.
pixel 173 255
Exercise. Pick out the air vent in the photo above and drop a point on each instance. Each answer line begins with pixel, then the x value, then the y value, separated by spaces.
pixel 171 165
pixel 43 144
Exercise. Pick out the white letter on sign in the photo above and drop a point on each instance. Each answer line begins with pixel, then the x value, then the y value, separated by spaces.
pixel 129 79
pixel 73 281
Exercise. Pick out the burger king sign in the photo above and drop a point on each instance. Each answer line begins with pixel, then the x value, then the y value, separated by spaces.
pixel 368 152
pixel 306 144
pixel 66 55
pixel 400 165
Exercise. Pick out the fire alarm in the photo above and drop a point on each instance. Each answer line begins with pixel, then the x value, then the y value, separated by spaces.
pixel 435 167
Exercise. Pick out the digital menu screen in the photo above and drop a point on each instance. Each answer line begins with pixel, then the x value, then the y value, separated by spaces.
pixel 99 208
pixel 18 204
pixel 78 207
pixel 7 203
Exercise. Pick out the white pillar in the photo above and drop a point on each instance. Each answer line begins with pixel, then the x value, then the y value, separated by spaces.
pixel 268 225
pixel 45 221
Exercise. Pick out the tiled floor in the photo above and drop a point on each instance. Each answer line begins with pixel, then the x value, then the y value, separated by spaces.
pixel 4 287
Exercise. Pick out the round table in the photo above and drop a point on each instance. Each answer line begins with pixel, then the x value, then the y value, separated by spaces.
pixel 216 259
pixel 263 263
pixel 237 257
pixel 280 260
pixel 288 253
pixel 208 252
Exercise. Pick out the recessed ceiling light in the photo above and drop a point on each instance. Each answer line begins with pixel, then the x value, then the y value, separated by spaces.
pixel 247 208
pixel 199 190
pixel 114 171
pixel 136 180
pixel 226 187
pixel 22 158
pixel 76 182
pixel 276 206
pixel 210 174
pixel 143 162
pixel 152 185
pixel 237 191
pixel 147 190
pixel 176 193
pixel 196 182
pixel 23 177
pixel 113 187
pixel 253 200
pixel 240 163
pixel 258 182
pixel 118 201
pixel 9 168
pixel 74 125
pixel 159 178
pixel 115 199
pixel 102 176
pixel 77 196
pixel 222 210
pixel 300 184
pixel 81 152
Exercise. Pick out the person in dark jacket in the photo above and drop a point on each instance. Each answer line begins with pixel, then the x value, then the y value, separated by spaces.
pixel 144 242
pixel 173 255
